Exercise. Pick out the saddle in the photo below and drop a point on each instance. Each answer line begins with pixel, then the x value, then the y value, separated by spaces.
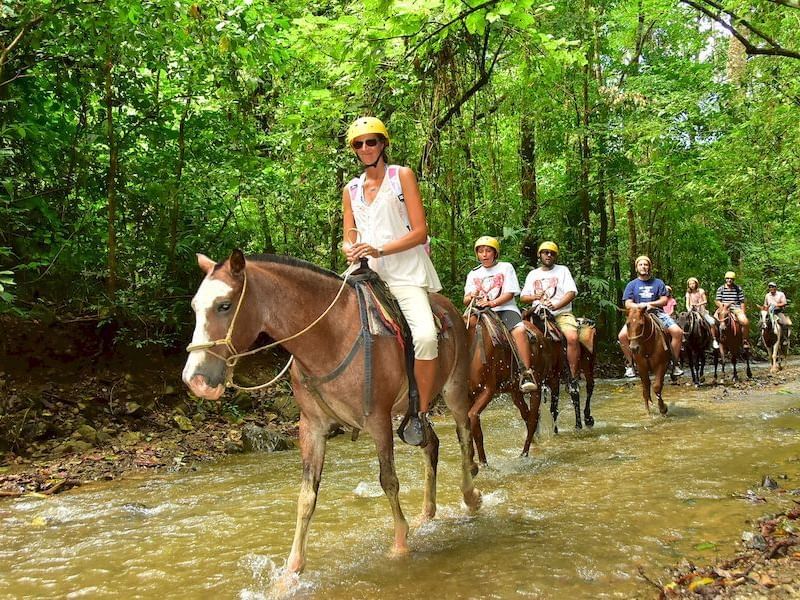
pixel 498 333
pixel 545 321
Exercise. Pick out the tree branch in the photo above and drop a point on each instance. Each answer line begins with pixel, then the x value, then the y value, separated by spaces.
pixel 775 49
pixel 455 19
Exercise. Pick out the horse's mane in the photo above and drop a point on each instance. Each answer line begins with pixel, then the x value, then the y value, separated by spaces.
pixel 292 262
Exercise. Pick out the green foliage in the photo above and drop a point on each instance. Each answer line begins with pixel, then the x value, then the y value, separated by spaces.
pixel 228 120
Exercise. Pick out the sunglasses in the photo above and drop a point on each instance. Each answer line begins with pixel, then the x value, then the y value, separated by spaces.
pixel 371 142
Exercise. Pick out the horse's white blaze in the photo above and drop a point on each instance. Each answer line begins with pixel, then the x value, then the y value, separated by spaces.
pixel 208 293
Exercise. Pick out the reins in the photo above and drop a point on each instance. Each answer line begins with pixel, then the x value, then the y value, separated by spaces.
pixel 227 341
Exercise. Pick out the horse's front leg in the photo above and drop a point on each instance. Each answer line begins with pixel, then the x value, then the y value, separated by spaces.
pixel 644 377
pixel 587 410
pixel 658 386
pixel 313 437
pixel 481 402
pixel 533 418
pixel 575 396
pixel 747 363
pixel 381 430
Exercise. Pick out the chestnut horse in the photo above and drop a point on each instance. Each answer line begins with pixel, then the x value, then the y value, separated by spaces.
pixel 773 334
pixel 314 315
pixel 731 342
pixel 492 372
pixel 649 345
pixel 696 340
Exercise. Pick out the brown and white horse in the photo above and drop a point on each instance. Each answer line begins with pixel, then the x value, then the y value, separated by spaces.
pixel 240 299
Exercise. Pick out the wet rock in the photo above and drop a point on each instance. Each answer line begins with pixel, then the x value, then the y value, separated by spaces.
pixel 259 439
pixel 769 483
pixel 232 447
pixel 133 409
pixel 184 423
pixel 129 438
pixel 85 433
pixel 754 541
pixel 72 447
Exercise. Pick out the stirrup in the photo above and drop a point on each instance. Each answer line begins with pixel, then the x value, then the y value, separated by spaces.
pixel 526 382
pixel 414 430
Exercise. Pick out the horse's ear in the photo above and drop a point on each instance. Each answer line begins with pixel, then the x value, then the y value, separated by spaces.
pixel 237 261
pixel 205 263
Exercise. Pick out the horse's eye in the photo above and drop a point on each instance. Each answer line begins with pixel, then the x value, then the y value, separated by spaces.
pixel 224 307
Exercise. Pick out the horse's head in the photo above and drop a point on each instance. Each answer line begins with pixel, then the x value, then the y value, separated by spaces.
pixel 635 320
pixel 684 321
pixel 724 316
pixel 216 305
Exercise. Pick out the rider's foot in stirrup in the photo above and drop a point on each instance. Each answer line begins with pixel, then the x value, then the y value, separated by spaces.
pixel 629 372
pixel 715 345
pixel 676 370
pixel 527 382
pixel 414 433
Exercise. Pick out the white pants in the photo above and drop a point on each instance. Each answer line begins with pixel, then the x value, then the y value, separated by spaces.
pixel 416 309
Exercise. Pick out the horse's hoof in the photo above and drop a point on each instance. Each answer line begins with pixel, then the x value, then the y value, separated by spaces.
pixel 474 470
pixel 473 500
pixel 555 428
pixel 578 425
pixel 400 552
pixel 589 421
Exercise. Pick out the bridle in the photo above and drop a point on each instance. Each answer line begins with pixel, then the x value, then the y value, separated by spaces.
pixel 227 341
pixel 645 318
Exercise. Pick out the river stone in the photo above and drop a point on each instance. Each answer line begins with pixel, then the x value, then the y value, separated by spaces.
pixel 87 433
pixel 769 483
pixel 258 439
pixel 72 447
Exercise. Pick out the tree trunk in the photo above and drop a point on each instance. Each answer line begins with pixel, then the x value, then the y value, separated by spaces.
pixel 528 184
pixel 632 243
pixel 583 194
pixel 111 282
pixel 176 188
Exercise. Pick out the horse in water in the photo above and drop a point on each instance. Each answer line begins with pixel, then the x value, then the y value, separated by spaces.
pixel 314 315
pixel 731 343
pixel 649 344
pixel 696 340
pixel 773 334
pixel 492 372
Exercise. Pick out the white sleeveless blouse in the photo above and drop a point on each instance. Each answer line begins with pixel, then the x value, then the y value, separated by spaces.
pixel 381 222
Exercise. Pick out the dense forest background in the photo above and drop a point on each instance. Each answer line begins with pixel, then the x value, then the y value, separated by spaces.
pixel 134 134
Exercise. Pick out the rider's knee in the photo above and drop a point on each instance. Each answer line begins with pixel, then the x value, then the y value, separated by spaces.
pixel 426 346
pixel 622 336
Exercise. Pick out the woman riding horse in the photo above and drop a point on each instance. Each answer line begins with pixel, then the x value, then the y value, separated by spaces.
pixel 391 230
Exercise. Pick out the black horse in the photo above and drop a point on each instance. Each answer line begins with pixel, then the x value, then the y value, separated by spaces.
pixel 696 340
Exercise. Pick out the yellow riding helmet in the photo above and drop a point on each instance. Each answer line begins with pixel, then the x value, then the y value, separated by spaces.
pixel 643 257
pixel 487 240
pixel 730 274
pixel 552 246
pixel 364 125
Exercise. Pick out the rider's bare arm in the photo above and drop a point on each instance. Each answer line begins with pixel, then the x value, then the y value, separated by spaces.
pixel 501 299
pixel 568 297
pixel 535 297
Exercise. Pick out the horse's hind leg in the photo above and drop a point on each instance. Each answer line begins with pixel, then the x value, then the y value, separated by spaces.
pixel 431 452
pixel 384 443
pixel 471 495
pixel 312 448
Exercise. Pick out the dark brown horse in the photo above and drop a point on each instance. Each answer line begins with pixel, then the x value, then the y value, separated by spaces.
pixel 649 345
pixel 696 341
pixel 731 343
pixel 586 362
pixel 281 297
pixel 492 372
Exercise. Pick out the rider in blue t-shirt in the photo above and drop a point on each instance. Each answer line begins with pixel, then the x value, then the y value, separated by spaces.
pixel 650 292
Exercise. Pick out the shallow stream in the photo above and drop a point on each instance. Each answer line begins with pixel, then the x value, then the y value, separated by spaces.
pixel 575 520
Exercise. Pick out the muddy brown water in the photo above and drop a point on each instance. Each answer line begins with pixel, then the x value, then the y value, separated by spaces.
pixel 575 520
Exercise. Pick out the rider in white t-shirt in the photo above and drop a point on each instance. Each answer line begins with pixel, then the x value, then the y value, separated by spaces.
pixel 494 284
pixel 552 286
